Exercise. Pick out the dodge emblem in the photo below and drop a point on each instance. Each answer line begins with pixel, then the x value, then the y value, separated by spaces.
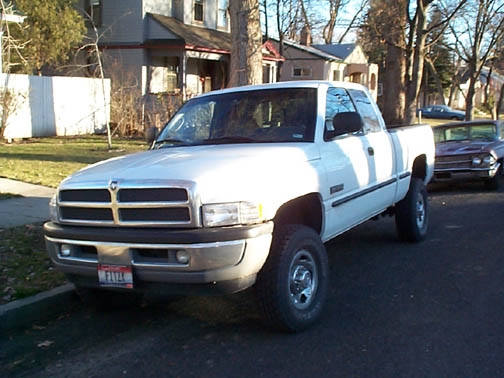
pixel 113 185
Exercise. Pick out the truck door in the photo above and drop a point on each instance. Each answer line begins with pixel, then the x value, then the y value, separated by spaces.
pixel 346 162
pixel 380 154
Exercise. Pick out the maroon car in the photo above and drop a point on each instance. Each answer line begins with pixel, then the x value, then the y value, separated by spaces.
pixel 471 150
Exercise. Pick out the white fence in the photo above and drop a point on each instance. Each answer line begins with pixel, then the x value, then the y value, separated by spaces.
pixel 53 105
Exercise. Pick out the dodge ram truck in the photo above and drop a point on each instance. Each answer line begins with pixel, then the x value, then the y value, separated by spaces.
pixel 243 187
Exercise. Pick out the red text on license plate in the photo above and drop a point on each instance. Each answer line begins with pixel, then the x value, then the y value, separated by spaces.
pixel 115 276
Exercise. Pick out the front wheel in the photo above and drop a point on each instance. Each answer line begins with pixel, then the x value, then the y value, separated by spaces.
pixel 493 183
pixel 292 286
pixel 412 213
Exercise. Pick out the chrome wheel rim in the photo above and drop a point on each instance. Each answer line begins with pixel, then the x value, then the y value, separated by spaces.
pixel 303 280
pixel 420 211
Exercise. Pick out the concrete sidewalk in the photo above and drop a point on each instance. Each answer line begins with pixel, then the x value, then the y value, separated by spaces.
pixel 32 207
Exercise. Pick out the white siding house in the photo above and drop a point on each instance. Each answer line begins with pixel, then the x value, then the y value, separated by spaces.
pixel 171 47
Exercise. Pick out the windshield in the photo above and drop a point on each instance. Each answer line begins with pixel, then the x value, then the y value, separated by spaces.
pixel 464 132
pixel 260 116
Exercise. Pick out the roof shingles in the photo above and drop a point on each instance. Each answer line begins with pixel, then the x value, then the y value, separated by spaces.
pixel 195 37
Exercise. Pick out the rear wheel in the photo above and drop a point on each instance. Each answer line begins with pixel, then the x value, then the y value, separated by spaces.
pixel 292 286
pixel 412 213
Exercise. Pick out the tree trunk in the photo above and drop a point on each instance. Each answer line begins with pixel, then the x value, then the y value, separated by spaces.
pixel 416 70
pixel 488 102
pixel 392 31
pixel 500 102
pixel 393 86
pixel 431 69
pixel 246 43
pixel 471 91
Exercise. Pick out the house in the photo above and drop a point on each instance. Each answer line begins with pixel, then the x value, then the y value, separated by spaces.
pixel 494 89
pixel 171 47
pixel 335 62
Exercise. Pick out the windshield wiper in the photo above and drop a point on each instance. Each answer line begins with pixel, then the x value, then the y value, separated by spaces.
pixel 230 140
pixel 172 141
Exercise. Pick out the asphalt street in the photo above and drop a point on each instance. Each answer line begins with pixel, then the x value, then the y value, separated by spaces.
pixel 432 309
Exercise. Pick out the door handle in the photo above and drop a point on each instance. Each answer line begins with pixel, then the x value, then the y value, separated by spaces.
pixel 370 151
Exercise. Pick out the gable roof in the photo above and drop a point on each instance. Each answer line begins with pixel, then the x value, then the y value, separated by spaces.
pixel 342 50
pixel 193 37
pixel 308 49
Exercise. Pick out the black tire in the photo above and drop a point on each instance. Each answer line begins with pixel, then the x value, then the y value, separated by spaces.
pixel 412 213
pixel 292 286
pixel 493 183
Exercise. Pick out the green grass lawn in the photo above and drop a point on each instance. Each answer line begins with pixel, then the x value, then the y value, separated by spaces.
pixel 47 161
pixel 25 268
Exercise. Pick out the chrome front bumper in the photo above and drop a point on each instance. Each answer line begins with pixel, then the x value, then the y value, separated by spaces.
pixel 214 256
pixel 465 174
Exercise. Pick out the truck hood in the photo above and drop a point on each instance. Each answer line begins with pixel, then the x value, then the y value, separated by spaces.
pixel 463 147
pixel 221 173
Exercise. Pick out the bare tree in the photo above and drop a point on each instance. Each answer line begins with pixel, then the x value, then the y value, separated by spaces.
pixel 477 32
pixel 11 47
pixel 355 19
pixel 327 32
pixel 285 19
pixel 11 53
pixel 420 27
pixel 92 46
pixel 403 27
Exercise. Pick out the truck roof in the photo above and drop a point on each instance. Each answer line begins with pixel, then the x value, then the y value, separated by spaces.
pixel 289 84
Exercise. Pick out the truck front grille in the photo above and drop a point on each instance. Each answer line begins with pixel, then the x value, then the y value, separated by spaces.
pixel 453 162
pixel 127 204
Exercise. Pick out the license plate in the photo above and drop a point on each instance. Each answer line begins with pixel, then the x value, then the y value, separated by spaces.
pixel 115 276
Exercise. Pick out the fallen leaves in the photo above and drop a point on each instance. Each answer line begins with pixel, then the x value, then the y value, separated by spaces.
pixel 45 344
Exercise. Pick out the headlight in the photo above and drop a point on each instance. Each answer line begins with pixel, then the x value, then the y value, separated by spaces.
pixel 489 160
pixel 53 209
pixel 485 160
pixel 476 161
pixel 229 214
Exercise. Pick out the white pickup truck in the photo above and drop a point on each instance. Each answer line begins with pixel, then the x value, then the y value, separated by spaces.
pixel 243 187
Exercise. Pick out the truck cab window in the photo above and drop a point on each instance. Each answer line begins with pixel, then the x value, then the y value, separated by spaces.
pixel 365 108
pixel 337 101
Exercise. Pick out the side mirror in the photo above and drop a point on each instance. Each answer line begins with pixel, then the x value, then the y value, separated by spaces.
pixel 151 134
pixel 345 123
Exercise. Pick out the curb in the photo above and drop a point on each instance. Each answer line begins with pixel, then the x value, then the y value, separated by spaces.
pixel 40 307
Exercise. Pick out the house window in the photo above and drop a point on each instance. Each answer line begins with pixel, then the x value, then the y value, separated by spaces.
pixel 301 72
pixel 222 14
pixel 164 75
pixel 171 78
pixel 356 78
pixel 93 13
pixel 198 10
pixel 336 75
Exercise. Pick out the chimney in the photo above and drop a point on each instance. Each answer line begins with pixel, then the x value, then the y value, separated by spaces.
pixel 305 36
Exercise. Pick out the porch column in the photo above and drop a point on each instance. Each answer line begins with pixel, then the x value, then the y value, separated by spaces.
pixel 184 76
